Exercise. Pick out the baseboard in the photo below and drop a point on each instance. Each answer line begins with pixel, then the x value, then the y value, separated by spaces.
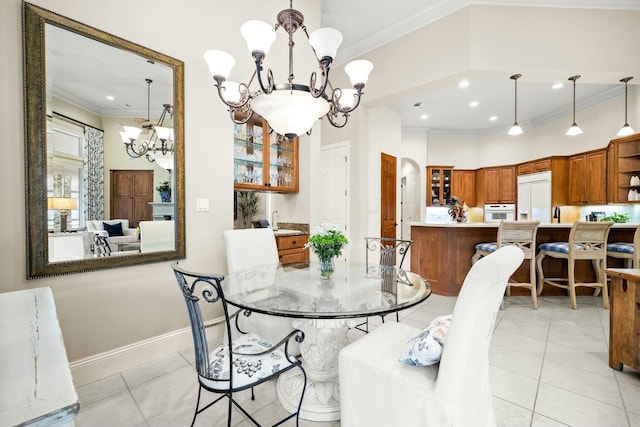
pixel 102 365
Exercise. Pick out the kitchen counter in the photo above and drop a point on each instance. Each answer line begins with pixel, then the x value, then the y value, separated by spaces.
pixel 284 232
pixel 442 252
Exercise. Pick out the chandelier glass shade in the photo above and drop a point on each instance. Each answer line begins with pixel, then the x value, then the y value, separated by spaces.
pixel 625 130
pixel 574 129
pixel 149 140
pixel 290 108
pixel 515 129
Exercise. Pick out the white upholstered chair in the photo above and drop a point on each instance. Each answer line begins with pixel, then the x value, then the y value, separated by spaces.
pixel 454 393
pixel 252 247
pixel 157 236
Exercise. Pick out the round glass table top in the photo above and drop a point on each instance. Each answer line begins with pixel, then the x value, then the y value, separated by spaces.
pixel 297 290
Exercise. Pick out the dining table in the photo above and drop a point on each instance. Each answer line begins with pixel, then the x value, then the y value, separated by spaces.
pixel 324 309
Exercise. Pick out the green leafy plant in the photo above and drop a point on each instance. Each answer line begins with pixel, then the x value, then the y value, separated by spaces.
pixel 248 205
pixel 617 217
pixel 327 241
pixel 164 186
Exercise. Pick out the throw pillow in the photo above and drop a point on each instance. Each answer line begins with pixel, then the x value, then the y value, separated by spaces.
pixel 426 348
pixel 113 229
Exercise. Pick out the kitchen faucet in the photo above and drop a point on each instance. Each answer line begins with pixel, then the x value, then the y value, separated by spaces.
pixel 274 224
pixel 556 214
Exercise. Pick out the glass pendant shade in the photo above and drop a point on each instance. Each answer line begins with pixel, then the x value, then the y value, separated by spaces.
pixel 626 130
pixel 124 136
pixel 163 133
pixel 220 62
pixel 358 71
pixel 259 36
pixel 515 130
pixel 348 98
pixel 132 132
pixel 325 42
pixel 574 130
pixel 165 161
pixel 290 112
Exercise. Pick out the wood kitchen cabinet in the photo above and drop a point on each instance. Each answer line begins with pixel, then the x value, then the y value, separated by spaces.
pixel 438 185
pixel 587 178
pixel 539 165
pixel 291 248
pixel 496 185
pixel 264 161
pixel 623 160
pixel 463 185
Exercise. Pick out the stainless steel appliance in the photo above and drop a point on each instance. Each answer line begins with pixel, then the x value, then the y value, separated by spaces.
pixel 499 212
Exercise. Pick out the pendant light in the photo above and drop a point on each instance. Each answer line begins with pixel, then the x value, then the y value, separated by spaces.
pixel 515 129
pixel 625 130
pixel 574 129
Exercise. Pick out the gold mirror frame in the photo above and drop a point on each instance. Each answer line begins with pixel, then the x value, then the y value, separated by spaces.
pixel 34 19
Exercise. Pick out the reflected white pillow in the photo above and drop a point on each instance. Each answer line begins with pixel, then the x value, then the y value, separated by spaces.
pixel 426 348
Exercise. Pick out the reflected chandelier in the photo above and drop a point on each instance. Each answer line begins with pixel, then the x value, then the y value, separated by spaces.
pixel 135 138
pixel 290 109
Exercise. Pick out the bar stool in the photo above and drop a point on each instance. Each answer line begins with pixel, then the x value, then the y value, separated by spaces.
pixel 587 241
pixel 523 235
pixel 627 251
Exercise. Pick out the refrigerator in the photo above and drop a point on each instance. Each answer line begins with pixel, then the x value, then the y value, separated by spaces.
pixel 534 197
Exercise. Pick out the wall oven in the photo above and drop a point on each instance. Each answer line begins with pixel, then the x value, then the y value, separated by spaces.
pixel 499 212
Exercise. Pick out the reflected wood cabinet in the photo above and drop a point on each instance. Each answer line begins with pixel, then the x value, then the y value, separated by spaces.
pixel 264 161
pixel 588 177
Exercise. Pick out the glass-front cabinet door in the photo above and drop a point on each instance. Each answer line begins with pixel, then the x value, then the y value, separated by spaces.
pixel 438 185
pixel 264 161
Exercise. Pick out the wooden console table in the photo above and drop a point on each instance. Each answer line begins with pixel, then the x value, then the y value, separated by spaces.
pixel 624 325
pixel 36 386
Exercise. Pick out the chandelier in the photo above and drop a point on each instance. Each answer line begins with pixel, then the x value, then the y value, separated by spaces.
pixel 156 147
pixel 290 108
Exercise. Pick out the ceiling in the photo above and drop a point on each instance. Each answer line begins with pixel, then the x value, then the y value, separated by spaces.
pixel 448 106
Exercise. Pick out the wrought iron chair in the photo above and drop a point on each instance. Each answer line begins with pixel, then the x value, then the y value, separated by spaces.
pixel 253 360
pixel 391 251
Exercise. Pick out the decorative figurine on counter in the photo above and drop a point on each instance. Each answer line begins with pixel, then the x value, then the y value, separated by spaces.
pixel 458 211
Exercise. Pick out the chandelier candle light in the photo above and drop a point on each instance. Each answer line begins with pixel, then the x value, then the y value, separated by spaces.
pixel 290 108
pixel 137 147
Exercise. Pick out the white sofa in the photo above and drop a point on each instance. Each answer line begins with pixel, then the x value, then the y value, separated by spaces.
pixel 129 234
pixel 157 236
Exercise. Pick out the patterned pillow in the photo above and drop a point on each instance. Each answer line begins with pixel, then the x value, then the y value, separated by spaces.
pixel 426 348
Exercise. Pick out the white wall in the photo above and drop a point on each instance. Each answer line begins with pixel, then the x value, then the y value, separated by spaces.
pixel 105 310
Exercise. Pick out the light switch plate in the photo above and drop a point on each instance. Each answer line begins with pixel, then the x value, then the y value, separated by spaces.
pixel 202 205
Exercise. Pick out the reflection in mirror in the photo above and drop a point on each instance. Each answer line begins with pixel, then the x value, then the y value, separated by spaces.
pixel 105 179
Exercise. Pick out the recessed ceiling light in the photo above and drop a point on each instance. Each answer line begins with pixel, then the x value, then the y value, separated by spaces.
pixel 474 104
pixel 557 86
pixel 493 118
pixel 110 98
pixel 424 117
pixel 463 84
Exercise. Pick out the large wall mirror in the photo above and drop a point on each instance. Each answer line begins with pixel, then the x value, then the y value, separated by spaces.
pixel 104 149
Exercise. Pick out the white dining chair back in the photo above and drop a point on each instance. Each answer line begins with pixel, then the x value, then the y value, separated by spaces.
pixel 250 247
pixel 454 393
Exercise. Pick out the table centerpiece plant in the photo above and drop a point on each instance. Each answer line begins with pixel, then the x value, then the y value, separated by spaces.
pixel 327 242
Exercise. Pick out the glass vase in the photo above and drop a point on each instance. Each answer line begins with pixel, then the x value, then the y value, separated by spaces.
pixel 327 267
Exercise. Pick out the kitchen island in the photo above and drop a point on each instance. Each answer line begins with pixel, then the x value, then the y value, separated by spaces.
pixel 442 253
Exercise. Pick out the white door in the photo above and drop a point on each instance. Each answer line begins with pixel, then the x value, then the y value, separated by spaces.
pixel 334 167
pixel 410 202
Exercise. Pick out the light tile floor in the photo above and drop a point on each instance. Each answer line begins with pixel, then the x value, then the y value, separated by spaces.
pixel 549 368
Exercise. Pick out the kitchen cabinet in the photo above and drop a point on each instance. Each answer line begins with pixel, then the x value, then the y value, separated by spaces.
pixel 438 185
pixel 291 248
pixel 463 185
pixel 623 163
pixel 264 161
pixel 539 165
pixel 587 178
pixel 496 185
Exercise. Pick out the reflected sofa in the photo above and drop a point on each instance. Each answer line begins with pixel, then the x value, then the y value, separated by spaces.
pixel 129 234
